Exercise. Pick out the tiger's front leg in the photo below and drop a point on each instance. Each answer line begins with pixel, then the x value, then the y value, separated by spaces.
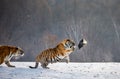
pixel 8 64
pixel 67 59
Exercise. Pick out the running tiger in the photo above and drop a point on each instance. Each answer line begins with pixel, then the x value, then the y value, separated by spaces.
pixel 7 52
pixel 56 54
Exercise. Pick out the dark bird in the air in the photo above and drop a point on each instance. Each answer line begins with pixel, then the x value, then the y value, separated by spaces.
pixel 82 43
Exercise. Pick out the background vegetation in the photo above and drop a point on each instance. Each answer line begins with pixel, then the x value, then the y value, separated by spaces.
pixel 35 25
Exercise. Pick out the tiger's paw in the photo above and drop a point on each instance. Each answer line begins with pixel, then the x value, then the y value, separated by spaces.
pixel 46 67
pixel 67 61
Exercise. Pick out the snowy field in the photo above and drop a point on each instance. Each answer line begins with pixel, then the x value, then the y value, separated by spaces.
pixel 62 71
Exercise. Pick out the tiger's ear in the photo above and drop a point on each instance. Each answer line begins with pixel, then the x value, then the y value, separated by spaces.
pixel 19 48
pixel 16 48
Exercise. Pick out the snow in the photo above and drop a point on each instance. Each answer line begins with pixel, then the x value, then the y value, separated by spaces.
pixel 110 70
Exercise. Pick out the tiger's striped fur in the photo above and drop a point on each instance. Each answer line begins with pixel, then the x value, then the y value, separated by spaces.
pixel 7 52
pixel 53 55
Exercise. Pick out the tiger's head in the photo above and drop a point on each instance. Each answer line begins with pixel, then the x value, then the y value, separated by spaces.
pixel 19 52
pixel 69 44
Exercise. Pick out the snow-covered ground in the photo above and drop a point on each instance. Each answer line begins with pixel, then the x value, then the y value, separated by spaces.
pixel 62 71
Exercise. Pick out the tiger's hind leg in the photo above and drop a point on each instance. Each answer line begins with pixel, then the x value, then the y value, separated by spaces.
pixel 8 64
pixel 44 65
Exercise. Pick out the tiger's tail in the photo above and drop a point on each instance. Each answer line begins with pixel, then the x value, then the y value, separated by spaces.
pixel 36 66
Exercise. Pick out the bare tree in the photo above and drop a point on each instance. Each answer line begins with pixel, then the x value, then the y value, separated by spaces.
pixel 74 31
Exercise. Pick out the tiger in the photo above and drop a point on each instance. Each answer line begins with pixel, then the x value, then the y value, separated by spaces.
pixel 7 52
pixel 52 55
